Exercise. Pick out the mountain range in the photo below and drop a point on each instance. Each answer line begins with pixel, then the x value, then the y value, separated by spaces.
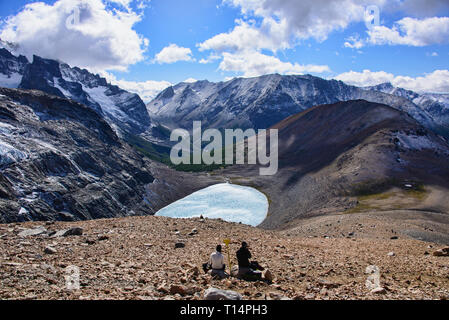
pixel 254 103
pixel 261 102
pixel 75 147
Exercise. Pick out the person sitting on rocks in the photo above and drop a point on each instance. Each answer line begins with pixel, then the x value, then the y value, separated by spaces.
pixel 247 270
pixel 217 264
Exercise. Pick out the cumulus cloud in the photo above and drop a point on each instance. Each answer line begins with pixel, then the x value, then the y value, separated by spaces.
pixel 253 63
pixel 190 80
pixel 173 53
pixel 365 78
pixel 435 82
pixel 147 90
pixel 275 25
pixel 244 36
pixel 354 42
pixel 412 32
pixel 307 18
pixel 80 32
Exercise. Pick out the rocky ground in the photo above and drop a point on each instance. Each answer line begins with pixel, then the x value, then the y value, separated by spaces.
pixel 137 258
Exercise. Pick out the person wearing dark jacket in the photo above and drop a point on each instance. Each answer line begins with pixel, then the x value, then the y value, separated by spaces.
pixel 246 270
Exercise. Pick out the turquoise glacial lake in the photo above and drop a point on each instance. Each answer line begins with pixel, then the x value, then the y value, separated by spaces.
pixel 230 202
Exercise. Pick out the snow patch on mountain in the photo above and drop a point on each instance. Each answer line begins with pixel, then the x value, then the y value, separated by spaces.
pixel 108 106
pixel 9 154
pixel 10 80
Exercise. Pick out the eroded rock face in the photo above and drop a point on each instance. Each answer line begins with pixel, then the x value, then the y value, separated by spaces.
pixel 60 160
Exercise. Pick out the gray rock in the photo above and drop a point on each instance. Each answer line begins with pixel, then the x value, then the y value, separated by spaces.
pixel 379 290
pixel 73 232
pixel 217 294
pixel 234 271
pixel 33 232
pixel 179 245
pixel 193 232
pixel 50 250
pixel 275 296
pixel 68 232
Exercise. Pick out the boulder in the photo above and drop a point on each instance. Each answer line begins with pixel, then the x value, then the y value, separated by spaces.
pixel 268 276
pixel 275 296
pixel 33 232
pixel 194 271
pixel 379 290
pixel 73 232
pixel 328 284
pixel 103 238
pixel 162 288
pixel 217 294
pixel 50 250
pixel 442 252
pixel 234 271
pixel 179 245
pixel 193 232
pixel 174 289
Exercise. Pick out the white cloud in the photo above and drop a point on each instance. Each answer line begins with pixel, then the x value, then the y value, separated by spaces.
pixel 244 36
pixel 365 78
pixel 253 63
pixel 275 25
pixel 211 58
pixel 412 32
pixel 124 3
pixel 354 42
pixel 436 82
pixel 147 90
pixel 190 80
pixel 173 53
pixel 80 32
pixel 292 19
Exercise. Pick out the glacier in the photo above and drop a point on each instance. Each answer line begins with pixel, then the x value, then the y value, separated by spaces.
pixel 230 202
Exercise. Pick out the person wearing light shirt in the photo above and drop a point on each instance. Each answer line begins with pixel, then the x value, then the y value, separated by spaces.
pixel 217 263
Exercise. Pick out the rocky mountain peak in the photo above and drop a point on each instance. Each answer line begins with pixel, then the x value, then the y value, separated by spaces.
pixel 125 111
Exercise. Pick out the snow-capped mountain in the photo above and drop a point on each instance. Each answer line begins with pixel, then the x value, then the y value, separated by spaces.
pixel 123 110
pixel 437 105
pixel 263 101
pixel 11 69
pixel 60 160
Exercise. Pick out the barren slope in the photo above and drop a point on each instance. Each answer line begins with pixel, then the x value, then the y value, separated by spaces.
pixel 135 258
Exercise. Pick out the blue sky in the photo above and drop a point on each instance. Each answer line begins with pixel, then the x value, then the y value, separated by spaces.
pixel 146 45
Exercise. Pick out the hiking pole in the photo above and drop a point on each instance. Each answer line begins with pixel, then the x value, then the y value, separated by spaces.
pixel 227 242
